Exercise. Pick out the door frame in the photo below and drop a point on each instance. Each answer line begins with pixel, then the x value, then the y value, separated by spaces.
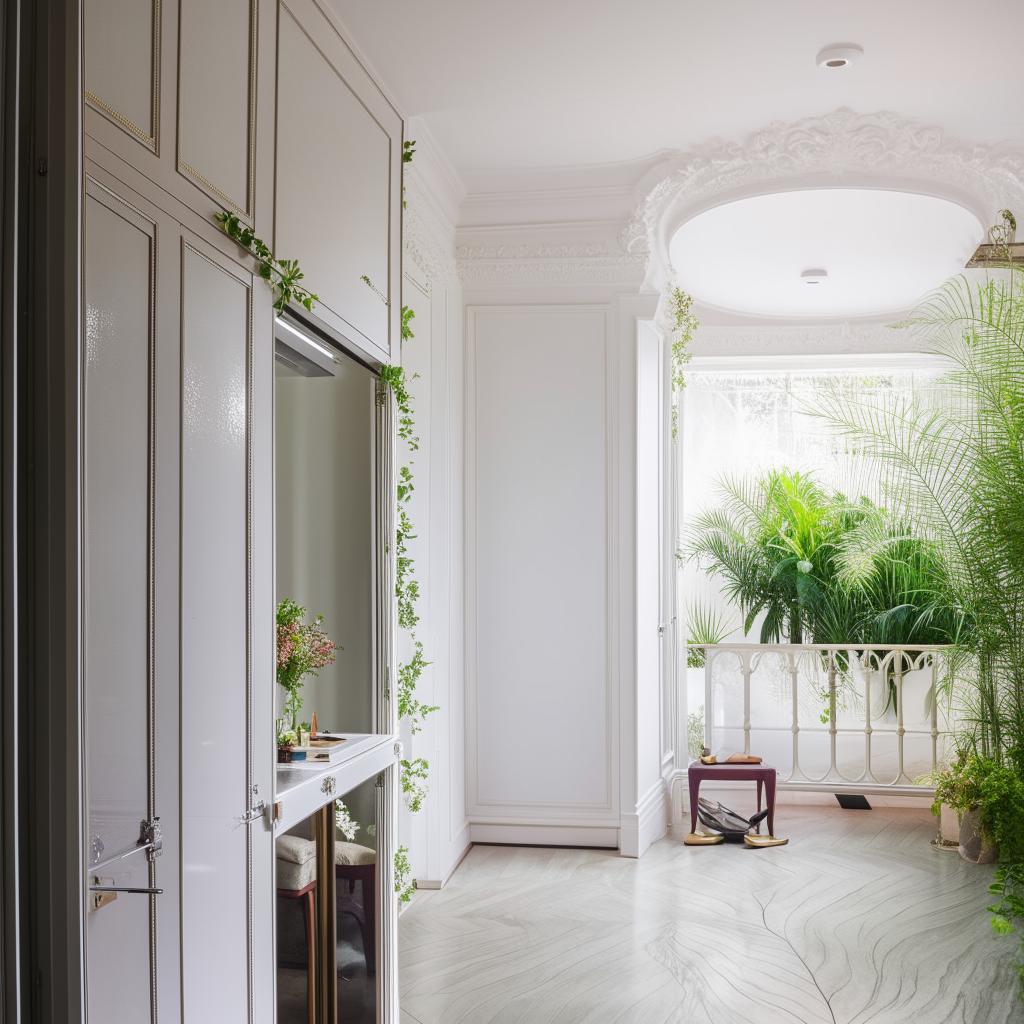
pixel 41 309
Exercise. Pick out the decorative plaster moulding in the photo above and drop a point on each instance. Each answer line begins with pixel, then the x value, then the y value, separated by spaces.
pixel 844 148
pixel 428 239
pixel 540 260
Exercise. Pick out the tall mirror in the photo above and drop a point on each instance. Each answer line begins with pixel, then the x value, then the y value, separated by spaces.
pixel 325 528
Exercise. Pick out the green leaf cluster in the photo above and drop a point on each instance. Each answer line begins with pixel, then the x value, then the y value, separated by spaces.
pixel 282 275
pixel 415 774
pixel 404 885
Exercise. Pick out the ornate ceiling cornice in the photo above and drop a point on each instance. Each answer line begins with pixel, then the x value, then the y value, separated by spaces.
pixel 428 240
pixel 842 148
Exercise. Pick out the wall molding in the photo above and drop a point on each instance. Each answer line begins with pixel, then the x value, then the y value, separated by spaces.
pixel 542 818
pixel 428 239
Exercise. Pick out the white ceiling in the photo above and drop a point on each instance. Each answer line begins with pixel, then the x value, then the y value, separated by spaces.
pixel 882 251
pixel 513 87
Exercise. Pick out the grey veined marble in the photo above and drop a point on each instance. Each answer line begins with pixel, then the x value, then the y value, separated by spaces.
pixel 858 920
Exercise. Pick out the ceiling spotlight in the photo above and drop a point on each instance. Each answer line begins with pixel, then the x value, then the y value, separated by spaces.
pixel 839 55
pixel 814 275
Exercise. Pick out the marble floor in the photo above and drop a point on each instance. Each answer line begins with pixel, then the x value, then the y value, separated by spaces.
pixel 857 920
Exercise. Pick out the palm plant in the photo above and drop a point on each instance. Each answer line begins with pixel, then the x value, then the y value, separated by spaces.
pixel 772 542
pixel 956 470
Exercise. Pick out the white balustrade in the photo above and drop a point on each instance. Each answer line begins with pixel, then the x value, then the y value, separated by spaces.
pixel 866 718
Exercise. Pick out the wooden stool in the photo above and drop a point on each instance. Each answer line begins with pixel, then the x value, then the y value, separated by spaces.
pixel 759 773
pixel 307 894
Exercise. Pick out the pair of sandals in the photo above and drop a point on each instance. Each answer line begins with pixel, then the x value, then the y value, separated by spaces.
pixel 723 825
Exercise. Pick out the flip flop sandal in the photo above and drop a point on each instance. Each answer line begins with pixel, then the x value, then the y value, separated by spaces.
pixel 759 842
pixel 699 839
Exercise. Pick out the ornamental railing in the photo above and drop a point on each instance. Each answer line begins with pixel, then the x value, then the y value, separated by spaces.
pixel 868 718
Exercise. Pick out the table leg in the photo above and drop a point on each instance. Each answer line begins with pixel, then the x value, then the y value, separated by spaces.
pixel 760 786
pixel 694 796
pixel 770 793
pixel 326 910
pixel 309 912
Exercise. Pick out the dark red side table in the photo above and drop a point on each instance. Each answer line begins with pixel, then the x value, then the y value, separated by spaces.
pixel 759 773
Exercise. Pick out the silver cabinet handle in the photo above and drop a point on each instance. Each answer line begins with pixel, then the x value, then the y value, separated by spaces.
pixel 126 888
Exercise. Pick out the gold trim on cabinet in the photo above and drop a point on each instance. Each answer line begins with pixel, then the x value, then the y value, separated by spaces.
pixel 150 141
pixel 246 210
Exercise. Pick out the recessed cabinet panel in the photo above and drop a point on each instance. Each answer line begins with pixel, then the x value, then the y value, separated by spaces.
pixel 334 174
pixel 119 266
pixel 122 64
pixel 216 102
pixel 215 673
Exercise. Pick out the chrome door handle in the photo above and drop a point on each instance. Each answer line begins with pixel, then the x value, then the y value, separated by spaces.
pixel 126 888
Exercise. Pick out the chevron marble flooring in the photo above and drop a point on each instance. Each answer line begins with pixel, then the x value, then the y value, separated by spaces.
pixel 858 920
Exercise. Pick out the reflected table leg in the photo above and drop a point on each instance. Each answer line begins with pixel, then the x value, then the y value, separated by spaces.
pixel 327 949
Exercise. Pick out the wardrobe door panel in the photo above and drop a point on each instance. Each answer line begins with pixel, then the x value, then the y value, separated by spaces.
pixel 123 64
pixel 217 63
pixel 338 146
pixel 216 679
pixel 120 268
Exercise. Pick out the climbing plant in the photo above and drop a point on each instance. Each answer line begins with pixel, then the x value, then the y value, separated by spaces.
pixel 684 325
pixel 282 275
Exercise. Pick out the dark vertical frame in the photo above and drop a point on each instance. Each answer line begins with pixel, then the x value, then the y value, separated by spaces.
pixel 40 318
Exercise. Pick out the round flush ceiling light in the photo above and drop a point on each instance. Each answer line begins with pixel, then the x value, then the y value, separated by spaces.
pixel 839 55
pixel 871 251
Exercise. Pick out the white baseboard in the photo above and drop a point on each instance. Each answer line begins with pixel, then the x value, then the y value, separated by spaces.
pixel 457 850
pixel 544 835
pixel 648 824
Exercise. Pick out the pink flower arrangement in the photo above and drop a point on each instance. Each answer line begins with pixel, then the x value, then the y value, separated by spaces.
pixel 303 648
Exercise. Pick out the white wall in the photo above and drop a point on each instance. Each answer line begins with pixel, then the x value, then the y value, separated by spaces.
pixel 542 689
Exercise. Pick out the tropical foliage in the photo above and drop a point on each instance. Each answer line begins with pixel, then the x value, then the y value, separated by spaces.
pixel 815 566
pixel 955 469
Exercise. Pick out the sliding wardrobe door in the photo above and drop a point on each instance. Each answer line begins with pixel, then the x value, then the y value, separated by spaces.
pixel 227 639
pixel 130 605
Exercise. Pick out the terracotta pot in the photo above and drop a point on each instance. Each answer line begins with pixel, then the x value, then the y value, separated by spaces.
pixel 284 755
pixel 974 846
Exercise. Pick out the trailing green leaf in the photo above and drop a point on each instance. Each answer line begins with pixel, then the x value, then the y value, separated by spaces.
pixel 415 774
pixel 404 885
pixel 282 275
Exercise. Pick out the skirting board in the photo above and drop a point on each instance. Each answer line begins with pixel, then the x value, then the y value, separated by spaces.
pixel 460 846
pixel 545 835
pixel 648 824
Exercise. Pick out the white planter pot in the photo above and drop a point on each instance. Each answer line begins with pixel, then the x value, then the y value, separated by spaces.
pixel 949 825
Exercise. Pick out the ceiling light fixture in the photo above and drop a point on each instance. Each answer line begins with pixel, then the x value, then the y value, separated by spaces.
pixel 814 275
pixel 839 55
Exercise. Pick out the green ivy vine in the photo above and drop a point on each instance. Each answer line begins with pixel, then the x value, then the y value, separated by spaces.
pixel 282 275
pixel 684 325
pixel 404 886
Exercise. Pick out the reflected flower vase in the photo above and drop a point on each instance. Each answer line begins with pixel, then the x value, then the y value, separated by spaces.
pixel 284 755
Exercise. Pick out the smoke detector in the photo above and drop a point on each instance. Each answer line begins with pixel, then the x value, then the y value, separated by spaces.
pixel 839 55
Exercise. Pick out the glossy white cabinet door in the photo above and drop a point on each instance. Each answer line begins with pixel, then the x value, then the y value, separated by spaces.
pixel 227 894
pixel 120 270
